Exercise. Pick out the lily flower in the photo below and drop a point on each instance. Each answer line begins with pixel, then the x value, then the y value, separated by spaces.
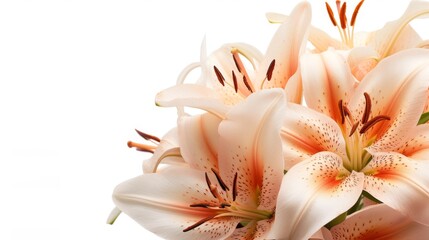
pixel 231 198
pixel 367 49
pixel 227 79
pixel 373 145
pixel 376 222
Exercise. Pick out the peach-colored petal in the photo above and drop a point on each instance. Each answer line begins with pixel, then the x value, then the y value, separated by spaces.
pixel 362 60
pixel 192 95
pixel 251 147
pixel 378 222
pixel 166 152
pixel 306 132
pixel 163 208
pixel 286 47
pixel 293 88
pixel 199 138
pixel 396 35
pixel 417 146
pixel 327 80
pixel 320 40
pixel 400 182
pixel 398 89
pixel 313 193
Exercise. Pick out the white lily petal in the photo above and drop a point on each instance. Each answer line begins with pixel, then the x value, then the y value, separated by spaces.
pixel 250 139
pixel 362 60
pixel 417 146
pixel 163 208
pixel 306 132
pixel 313 193
pixel 320 40
pixel 327 80
pixel 400 182
pixel 423 44
pixel 191 95
pixel 398 89
pixel 285 48
pixel 199 137
pixel 165 152
pixel 378 222
pixel 293 88
pixel 385 39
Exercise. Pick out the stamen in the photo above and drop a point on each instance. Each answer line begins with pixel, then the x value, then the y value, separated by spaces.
pixel 219 76
pixel 270 69
pixel 209 184
pixel 341 107
pixel 147 136
pixel 141 147
pixel 240 66
pixel 331 14
pixel 247 84
pixel 197 224
pixel 367 111
pixel 224 205
pixel 219 179
pixel 355 13
pixel 348 114
pixel 234 79
pixel 343 18
pixel 203 205
pixel 354 129
pixel 372 122
pixel 213 189
pixel 234 187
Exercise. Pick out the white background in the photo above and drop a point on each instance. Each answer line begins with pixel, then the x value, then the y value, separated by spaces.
pixel 76 77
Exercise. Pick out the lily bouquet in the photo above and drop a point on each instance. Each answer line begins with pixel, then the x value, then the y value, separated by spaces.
pixel 317 138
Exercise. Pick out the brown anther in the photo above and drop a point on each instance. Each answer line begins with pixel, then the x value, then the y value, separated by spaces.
pixel 141 147
pixel 372 122
pixel 354 129
pixel 224 205
pixel 147 136
pixel 203 205
pixel 219 179
pixel 355 13
pixel 270 70
pixel 348 114
pixel 331 14
pixel 367 110
pixel 219 76
pixel 343 18
pixel 237 60
pixel 341 108
pixel 234 80
pixel 247 84
pixel 234 187
pixel 195 225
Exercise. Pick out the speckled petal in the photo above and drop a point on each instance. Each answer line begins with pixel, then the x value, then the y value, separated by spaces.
pixel 306 132
pixel 160 203
pixel 400 182
pixel 378 222
pixel 417 147
pixel 251 147
pixel 313 193
pixel 398 87
pixel 198 136
pixel 327 79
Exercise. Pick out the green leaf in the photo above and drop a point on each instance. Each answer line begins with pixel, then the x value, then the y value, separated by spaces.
pixel 336 220
pixel 424 118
